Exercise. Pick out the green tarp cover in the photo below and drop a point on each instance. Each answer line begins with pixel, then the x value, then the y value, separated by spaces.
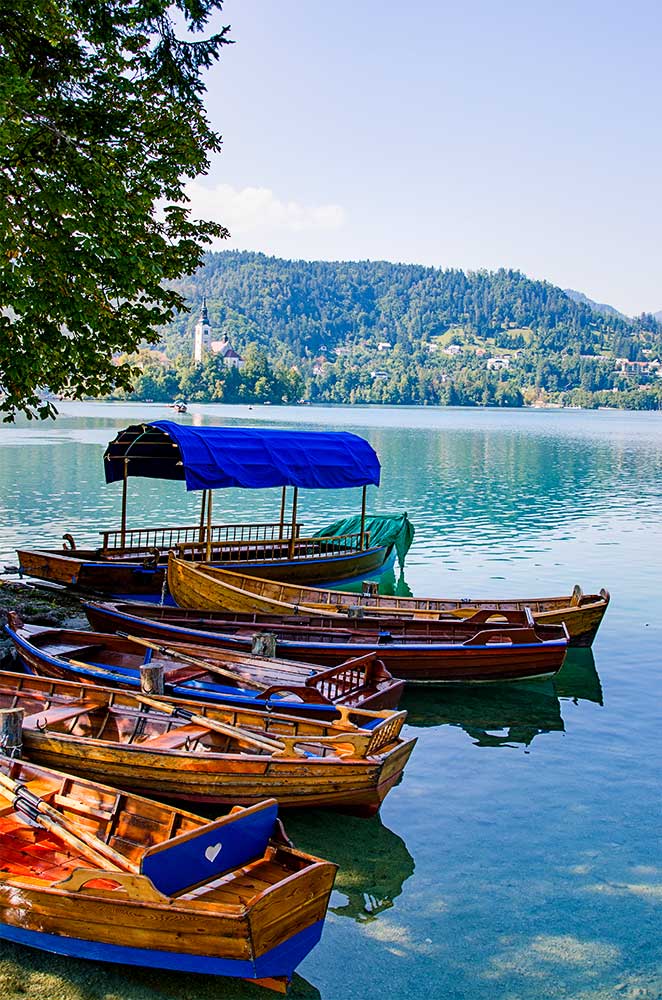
pixel 385 529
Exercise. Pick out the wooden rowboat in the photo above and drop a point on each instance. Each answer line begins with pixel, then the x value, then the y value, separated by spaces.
pixel 186 750
pixel 454 650
pixel 141 570
pixel 205 586
pixel 228 676
pixel 90 872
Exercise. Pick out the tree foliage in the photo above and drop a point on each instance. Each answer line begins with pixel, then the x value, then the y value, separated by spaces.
pixel 101 123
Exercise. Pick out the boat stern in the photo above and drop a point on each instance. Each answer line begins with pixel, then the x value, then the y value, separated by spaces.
pixel 287 919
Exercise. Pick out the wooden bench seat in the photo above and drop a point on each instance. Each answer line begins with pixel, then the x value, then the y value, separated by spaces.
pixel 174 739
pixel 57 713
pixel 66 649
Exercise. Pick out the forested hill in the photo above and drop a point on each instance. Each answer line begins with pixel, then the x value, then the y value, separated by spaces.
pixel 372 331
pixel 308 306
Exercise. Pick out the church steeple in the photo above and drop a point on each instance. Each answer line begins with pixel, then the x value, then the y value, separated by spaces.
pixel 202 334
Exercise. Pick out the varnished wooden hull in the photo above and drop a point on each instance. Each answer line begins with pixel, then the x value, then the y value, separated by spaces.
pixel 52 900
pixel 95 928
pixel 110 739
pixel 208 587
pixel 353 787
pixel 90 572
pixel 411 660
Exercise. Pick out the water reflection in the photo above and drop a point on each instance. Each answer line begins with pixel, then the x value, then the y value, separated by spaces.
pixel 389 584
pixel 492 716
pixel 578 678
pixel 374 862
pixel 498 715
pixel 470 482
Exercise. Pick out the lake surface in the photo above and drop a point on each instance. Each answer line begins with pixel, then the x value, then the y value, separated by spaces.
pixel 519 859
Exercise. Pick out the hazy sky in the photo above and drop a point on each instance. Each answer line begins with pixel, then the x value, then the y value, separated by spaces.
pixel 473 135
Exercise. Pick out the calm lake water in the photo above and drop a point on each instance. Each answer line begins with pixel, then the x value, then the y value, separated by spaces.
pixel 519 859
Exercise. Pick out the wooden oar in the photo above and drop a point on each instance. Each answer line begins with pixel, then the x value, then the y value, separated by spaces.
pixel 173 654
pixel 240 734
pixel 277 666
pixel 359 740
pixel 263 742
pixel 103 674
pixel 85 843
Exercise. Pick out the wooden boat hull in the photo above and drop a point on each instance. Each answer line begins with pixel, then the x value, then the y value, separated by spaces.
pixel 84 929
pixel 347 686
pixel 86 570
pixel 53 900
pixel 99 734
pixel 423 660
pixel 356 787
pixel 196 586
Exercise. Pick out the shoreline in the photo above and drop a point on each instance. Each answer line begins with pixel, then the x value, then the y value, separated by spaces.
pixel 41 605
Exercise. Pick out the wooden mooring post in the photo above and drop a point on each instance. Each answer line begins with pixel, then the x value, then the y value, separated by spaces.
pixel 151 678
pixel 11 732
pixel 264 644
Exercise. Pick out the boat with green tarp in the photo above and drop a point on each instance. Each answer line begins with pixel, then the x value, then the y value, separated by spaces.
pixel 132 561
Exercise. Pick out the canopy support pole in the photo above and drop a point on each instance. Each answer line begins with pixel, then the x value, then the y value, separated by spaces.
pixel 201 534
pixel 294 522
pixel 282 512
pixel 362 539
pixel 208 548
pixel 124 490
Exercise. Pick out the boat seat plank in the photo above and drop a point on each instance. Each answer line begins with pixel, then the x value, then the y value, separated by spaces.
pixel 178 675
pixel 65 649
pixel 58 713
pixel 174 738
pixel 83 808
pixel 42 787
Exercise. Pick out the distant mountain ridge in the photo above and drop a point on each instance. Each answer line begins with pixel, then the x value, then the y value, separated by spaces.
pixel 599 307
pixel 308 307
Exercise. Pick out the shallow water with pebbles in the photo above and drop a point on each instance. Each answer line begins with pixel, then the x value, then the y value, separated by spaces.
pixel 519 859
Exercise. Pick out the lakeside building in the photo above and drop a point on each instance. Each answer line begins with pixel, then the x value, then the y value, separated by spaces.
pixel 637 367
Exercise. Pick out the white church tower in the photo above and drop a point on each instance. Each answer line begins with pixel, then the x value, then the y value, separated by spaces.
pixel 202 335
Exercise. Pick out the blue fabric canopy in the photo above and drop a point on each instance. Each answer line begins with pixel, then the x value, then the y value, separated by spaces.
pixel 214 457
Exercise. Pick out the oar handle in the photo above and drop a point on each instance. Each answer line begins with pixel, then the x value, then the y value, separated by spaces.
pixel 39 811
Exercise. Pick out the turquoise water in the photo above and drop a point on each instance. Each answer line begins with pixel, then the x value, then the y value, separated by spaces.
pixel 519 858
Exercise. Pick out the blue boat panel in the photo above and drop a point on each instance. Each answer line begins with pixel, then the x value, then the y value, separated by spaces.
pixel 211 851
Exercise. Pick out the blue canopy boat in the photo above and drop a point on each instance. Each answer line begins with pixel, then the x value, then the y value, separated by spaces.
pixel 132 560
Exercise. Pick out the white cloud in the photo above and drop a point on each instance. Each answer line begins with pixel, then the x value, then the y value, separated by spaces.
pixel 258 212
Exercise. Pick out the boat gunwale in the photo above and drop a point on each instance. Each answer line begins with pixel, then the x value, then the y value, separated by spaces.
pixel 393 645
